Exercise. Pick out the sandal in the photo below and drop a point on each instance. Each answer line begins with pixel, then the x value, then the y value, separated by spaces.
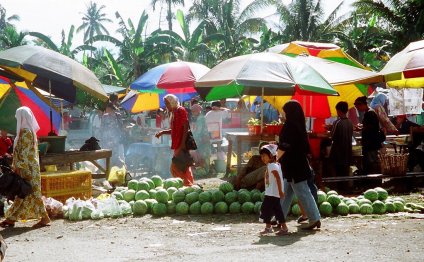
pixel 282 232
pixel 301 219
pixel 266 231
pixel 40 225
pixel 6 224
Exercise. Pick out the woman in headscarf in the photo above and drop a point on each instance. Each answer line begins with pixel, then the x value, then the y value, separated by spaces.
pixel 379 105
pixel 26 165
pixel 201 136
pixel 293 149
pixel 179 129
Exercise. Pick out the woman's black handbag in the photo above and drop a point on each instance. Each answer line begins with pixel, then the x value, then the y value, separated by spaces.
pixel 12 185
pixel 190 142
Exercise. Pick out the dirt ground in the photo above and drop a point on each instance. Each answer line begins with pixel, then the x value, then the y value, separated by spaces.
pixel 393 237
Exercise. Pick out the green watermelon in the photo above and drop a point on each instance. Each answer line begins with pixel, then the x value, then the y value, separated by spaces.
pixel 191 198
pixel 365 209
pixel 129 195
pixel 152 193
pixel 262 196
pixel 170 206
pixel 342 209
pixel 382 193
pixel 139 208
pixel 171 191
pixel 230 197
pixel 334 200
pixel 188 190
pixel 399 199
pixel 168 183
pixel 258 206
pixel 221 207
pixel 332 192
pixel 226 187
pixel 296 210
pixel 217 196
pixel 364 201
pixel 142 195
pixel 157 180
pixel 247 208
pixel 353 209
pixel 132 184
pixel 243 196
pixel 143 185
pixel 149 182
pixel 399 206
pixel 205 197
pixel 256 196
pixel 182 208
pixel 159 209
pixel 118 195
pixel 378 207
pixel 150 203
pixel 178 182
pixel 294 200
pixel 206 208
pixel 371 195
pixel 162 196
pixel 325 209
pixel 197 189
pixel 178 196
pixel 195 208
pixel 235 208
pixel 322 197
pixel 390 207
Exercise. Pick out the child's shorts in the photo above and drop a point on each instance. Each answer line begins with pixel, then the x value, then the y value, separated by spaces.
pixel 271 206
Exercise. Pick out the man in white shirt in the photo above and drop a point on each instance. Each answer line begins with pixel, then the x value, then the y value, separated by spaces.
pixel 214 119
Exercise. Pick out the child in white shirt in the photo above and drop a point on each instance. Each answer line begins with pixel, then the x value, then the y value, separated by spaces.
pixel 271 205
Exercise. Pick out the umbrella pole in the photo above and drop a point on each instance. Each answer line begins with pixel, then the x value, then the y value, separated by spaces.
pixel 51 113
pixel 262 110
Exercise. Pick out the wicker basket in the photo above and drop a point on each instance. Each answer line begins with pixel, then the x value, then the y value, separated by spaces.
pixel 393 164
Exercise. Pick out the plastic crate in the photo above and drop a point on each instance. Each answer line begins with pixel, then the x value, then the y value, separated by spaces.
pixel 63 185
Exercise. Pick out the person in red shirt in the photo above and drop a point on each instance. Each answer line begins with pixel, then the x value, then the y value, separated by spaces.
pixel 5 144
pixel 179 129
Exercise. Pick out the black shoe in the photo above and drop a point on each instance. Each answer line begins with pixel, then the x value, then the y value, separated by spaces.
pixel 311 225
pixel 301 219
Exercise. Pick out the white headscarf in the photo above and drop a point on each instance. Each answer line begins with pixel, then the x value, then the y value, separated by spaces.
pixel 25 119
pixel 174 102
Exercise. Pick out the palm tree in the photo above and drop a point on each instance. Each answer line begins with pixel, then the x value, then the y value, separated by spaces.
pixel 304 20
pixel 404 18
pixel 132 49
pixel 10 37
pixel 169 3
pixel 93 22
pixel 6 21
pixel 65 47
pixel 8 33
pixel 229 28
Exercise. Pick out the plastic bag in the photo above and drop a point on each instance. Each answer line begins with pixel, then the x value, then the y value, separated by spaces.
pixel 97 214
pixel 110 208
pixel 87 209
pixel 125 207
pixel 54 208
pixel 75 213
pixel 117 175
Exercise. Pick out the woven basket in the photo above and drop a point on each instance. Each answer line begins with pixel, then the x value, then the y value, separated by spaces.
pixel 393 164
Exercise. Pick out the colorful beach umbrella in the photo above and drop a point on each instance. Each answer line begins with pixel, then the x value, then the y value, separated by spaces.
pixel 261 74
pixel 53 72
pixel 15 95
pixel 176 78
pixel 324 50
pixel 348 90
pixel 406 68
pixel 339 75
pixel 176 75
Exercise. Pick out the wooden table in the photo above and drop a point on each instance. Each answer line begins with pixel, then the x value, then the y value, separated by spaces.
pixel 70 157
pixel 242 137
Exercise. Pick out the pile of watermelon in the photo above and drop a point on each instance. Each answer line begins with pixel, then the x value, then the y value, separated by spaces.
pixel 372 201
pixel 162 197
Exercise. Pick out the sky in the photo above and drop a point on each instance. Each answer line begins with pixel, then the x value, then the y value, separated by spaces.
pixel 51 16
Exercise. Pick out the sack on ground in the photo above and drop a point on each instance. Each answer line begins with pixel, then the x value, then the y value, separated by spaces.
pixel 117 175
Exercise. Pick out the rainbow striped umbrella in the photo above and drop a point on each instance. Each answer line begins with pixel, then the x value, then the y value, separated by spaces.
pixel 13 96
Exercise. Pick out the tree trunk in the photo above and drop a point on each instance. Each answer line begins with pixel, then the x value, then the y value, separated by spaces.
pixel 169 16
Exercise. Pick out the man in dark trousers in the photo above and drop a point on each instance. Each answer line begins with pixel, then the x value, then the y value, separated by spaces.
pixel 341 135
